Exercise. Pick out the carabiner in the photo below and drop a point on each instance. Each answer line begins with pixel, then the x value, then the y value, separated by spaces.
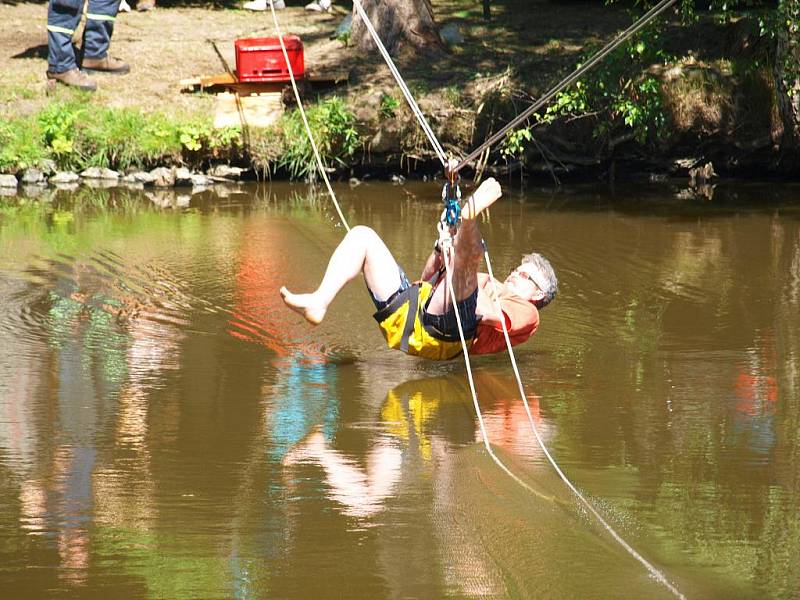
pixel 451 195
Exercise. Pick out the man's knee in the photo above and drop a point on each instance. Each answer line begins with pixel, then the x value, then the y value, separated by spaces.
pixel 365 234
pixel 362 230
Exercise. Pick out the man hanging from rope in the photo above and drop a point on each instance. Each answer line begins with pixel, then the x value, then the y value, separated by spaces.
pixel 418 318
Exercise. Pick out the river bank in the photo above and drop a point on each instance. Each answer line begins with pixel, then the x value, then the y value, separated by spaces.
pixel 691 104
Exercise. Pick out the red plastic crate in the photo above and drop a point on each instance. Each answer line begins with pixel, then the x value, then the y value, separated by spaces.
pixel 261 59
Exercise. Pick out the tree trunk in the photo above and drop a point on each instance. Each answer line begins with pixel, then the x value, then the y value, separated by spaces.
pixel 787 86
pixel 402 25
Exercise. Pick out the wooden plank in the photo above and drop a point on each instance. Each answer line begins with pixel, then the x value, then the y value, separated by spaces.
pixel 221 79
pixel 226 82
pixel 327 75
pixel 247 89
pixel 222 83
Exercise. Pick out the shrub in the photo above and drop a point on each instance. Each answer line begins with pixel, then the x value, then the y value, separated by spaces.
pixel 333 129
pixel 21 144
pixel 58 123
pixel 388 107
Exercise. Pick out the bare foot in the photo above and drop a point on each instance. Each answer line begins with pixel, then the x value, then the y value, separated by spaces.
pixel 306 305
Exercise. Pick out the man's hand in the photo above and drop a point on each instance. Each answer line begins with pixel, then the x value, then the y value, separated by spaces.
pixel 481 199
pixel 488 192
pixel 445 236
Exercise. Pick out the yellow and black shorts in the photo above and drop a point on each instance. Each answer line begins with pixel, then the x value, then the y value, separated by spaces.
pixel 407 326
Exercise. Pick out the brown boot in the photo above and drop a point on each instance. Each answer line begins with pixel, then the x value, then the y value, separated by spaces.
pixel 143 5
pixel 74 78
pixel 112 66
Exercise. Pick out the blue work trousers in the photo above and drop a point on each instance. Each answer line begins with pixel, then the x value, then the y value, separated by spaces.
pixel 63 17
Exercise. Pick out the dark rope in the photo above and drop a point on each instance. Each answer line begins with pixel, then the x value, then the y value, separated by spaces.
pixel 577 73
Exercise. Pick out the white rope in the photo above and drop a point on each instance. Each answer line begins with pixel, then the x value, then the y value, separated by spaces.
pixel 320 164
pixel 402 84
pixel 484 434
pixel 449 281
pixel 651 569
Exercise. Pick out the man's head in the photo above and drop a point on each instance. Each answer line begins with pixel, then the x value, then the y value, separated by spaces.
pixel 534 280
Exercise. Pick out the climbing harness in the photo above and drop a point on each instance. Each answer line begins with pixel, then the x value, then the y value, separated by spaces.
pixel 571 78
pixel 450 195
pixel 404 328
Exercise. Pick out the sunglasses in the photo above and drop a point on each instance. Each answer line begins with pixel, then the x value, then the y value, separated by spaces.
pixel 524 275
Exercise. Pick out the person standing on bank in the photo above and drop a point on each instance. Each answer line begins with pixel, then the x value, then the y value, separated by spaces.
pixel 63 17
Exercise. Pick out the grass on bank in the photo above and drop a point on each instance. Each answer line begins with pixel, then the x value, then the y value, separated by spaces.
pixel 332 125
pixel 76 134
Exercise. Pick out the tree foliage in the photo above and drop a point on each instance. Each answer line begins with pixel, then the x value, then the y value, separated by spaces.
pixel 626 97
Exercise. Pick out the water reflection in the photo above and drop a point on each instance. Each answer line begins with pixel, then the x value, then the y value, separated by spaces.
pixel 410 456
pixel 168 429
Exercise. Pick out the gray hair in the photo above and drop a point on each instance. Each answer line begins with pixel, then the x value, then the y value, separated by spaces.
pixel 549 279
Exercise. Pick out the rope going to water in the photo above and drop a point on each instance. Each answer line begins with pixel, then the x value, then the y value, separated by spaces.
pixel 437 147
pixel 432 136
pixel 655 573
pixel 449 279
pixel 320 164
pixel 576 74
pixel 468 364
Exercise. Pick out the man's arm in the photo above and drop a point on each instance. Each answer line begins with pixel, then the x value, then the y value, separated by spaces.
pixel 434 263
pixel 487 309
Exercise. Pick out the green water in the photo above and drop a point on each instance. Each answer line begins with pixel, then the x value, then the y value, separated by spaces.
pixel 168 429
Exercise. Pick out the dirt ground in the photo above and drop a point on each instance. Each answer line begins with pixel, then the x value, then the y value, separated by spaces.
pixel 162 47
pixel 539 39
pixel 526 47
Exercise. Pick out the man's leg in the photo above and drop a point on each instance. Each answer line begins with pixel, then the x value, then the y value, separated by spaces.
pixel 97 38
pixel 100 17
pixel 62 19
pixel 467 249
pixel 361 251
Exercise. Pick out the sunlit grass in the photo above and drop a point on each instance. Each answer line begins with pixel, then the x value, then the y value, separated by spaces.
pixel 76 134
